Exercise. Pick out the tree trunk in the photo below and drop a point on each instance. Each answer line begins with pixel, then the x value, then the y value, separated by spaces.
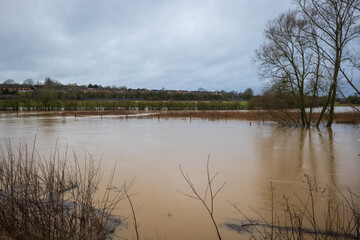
pixel 332 104
pixel 325 106
pixel 333 95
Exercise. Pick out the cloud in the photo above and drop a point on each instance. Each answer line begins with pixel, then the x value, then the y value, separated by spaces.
pixel 180 44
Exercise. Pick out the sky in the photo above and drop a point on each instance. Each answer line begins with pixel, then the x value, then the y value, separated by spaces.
pixel 171 44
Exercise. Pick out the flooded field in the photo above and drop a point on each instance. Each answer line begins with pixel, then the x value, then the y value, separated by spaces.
pixel 247 156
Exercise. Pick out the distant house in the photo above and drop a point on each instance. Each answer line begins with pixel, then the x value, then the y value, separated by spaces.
pixel 16 87
pixel 172 91
pixel 75 88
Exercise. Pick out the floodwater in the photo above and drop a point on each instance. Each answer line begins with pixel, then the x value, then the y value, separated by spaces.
pixel 246 156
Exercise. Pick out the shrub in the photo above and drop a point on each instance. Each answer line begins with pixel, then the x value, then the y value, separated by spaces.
pixel 52 198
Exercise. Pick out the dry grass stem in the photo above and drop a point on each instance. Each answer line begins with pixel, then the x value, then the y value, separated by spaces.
pixel 209 194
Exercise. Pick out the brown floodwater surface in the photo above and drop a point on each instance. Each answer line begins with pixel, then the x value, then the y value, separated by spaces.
pixel 246 156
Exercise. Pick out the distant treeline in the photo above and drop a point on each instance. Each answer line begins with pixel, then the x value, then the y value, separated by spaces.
pixel 52 95
pixel 57 91
pixel 139 94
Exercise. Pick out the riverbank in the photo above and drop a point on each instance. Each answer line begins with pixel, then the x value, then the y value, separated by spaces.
pixel 342 117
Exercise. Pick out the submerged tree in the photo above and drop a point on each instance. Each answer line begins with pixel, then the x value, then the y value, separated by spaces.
pixel 337 24
pixel 288 59
pixel 305 51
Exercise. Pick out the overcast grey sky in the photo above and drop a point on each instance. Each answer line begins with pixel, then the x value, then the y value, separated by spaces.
pixel 175 44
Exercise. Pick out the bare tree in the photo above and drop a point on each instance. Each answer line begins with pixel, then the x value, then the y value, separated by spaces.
pixel 337 25
pixel 289 60
pixel 9 81
pixel 29 81
pixel 306 50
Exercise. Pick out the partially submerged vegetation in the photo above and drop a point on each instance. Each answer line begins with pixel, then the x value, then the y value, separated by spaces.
pixel 305 53
pixel 54 197
pixel 208 198
pixel 319 213
pixel 288 118
pixel 282 117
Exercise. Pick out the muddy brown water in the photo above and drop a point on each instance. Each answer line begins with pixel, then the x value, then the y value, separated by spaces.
pixel 246 156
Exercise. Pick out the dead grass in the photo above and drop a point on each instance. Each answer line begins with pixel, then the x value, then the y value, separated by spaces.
pixel 282 117
pixel 211 115
pixel 252 115
pixel 348 118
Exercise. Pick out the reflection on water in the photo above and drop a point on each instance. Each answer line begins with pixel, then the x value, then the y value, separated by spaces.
pixel 291 152
pixel 248 157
